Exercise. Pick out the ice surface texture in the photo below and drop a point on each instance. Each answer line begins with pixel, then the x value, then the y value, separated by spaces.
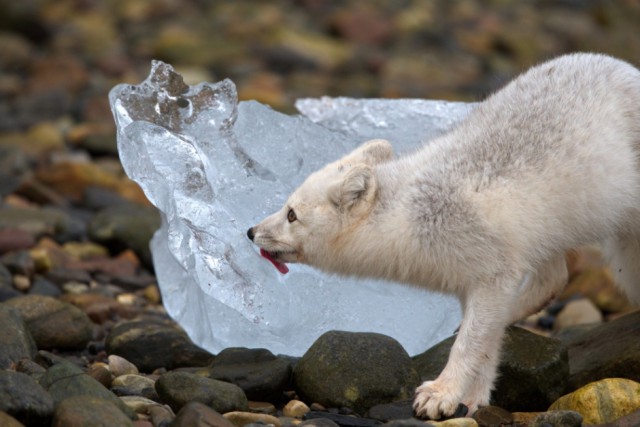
pixel 214 167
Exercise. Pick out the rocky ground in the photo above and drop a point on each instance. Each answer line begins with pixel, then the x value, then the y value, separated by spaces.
pixel 85 338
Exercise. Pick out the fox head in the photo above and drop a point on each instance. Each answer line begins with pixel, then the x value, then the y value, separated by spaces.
pixel 329 202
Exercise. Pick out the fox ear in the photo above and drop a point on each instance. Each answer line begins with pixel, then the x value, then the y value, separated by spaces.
pixel 373 152
pixel 358 186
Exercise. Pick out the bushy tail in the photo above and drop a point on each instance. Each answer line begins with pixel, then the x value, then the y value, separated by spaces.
pixel 623 255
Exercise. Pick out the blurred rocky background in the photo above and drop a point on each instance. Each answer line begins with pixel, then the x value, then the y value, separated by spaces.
pixel 77 290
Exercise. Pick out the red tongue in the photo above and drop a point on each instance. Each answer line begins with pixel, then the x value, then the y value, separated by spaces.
pixel 282 268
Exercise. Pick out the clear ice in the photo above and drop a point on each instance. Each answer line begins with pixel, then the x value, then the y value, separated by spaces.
pixel 214 167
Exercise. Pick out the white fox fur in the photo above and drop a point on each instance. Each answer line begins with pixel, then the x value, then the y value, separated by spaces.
pixel 486 211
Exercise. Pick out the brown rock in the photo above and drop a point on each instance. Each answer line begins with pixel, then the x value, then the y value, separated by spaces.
pixel 53 323
pixel 120 366
pixel 12 239
pixel 240 419
pixel 295 409
pixel 492 416
pixel 196 414
pixel 80 411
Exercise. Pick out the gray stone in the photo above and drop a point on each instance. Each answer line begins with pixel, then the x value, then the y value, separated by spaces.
pixel 611 350
pixel 24 399
pixel 355 370
pixel 558 419
pixel 178 388
pixel 341 419
pixel 262 376
pixel 7 291
pixel 89 411
pixel 53 323
pixel 126 226
pixel 65 380
pixel 16 341
pixel 196 414
pixel 318 422
pixel 45 221
pixel 399 410
pixel 532 375
pixel 152 343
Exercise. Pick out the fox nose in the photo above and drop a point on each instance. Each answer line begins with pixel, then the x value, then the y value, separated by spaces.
pixel 250 234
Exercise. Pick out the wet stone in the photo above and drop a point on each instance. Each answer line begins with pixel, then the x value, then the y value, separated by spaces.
pixel 126 226
pixel 14 239
pixel 341 419
pixel 178 388
pixel 492 416
pixel 258 372
pixel 610 350
pixel 151 344
pixel 355 370
pixel 24 399
pixel 558 419
pixel 19 262
pixel 53 323
pixel 89 410
pixel 399 410
pixel 16 342
pixel 65 380
pixel 196 414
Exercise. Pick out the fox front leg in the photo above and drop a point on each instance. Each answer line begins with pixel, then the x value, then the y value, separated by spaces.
pixel 471 369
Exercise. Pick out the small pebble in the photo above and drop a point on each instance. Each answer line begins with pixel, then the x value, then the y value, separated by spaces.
pixel 21 283
pixel 120 366
pixel 295 409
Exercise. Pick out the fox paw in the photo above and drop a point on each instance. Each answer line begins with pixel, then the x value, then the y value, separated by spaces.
pixel 434 401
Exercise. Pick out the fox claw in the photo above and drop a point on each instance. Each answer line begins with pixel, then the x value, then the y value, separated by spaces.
pixel 433 401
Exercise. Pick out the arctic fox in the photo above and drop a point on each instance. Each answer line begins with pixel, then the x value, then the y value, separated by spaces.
pixel 486 211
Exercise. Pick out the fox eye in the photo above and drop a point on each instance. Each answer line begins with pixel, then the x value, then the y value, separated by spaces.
pixel 291 216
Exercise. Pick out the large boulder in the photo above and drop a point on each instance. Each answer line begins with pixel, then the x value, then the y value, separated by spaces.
pixel 355 370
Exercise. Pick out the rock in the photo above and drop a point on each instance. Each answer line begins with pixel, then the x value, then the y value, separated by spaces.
pixel 295 409
pixel 64 380
pixel 318 422
pixel 14 239
pixel 151 344
pixel 611 350
pixel 577 312
pixel 258 372
pixel 631 420
pixel 196 414
pixel 100 372
pixel 121 366
pixel 262 408
pixel 178 388
pixel 19 262
pixel 492 416
pixel 53 323
pixel 241 419
pixel 413 422
pixel 89 410
pixel 42 221
pixel 558 419
pixel 399 410
pixel 126 227
pixel 44 287
pixel 602 401
pixel 161 415
pixel 7 420
pixel 456 422
pixel 138 404
pixel 16 341
pixel 24 399
pixel 355 370
pixel 532 374
pixel 340 419
pixel 21 283
pixel 137 385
